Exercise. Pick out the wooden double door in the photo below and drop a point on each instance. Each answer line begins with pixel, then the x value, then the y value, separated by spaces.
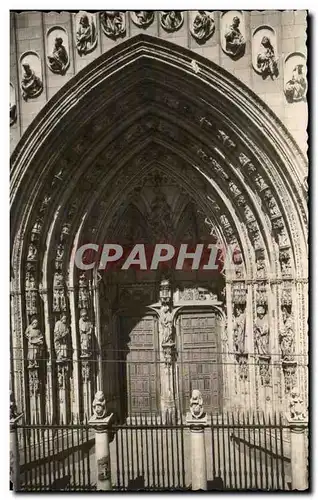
pixel 198 364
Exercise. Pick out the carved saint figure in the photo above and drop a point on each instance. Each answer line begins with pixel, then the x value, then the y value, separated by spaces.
pixel 99 405
pixel 266 59
pixel 85 35
pixel 58 61
pixel 165 322
pixel 203 26
pixel 142 18
pixel 86 330
pixel 196 404
pixel 113 23
pixel 35 343
pixel 171 20
pixel 32 251
pixel 286 337
pixel 235 42
pixel 296 406
pixel 239 330
pixel 31 84
pixel 296 88
pixel 61 338
pixel 261 331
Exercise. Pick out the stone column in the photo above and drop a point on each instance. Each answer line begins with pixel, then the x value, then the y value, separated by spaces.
pixel 100 423
pixel 14 449
pixel 298 423
pixel 197 420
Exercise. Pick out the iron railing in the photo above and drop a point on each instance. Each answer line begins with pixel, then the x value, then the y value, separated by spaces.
pixel 150 452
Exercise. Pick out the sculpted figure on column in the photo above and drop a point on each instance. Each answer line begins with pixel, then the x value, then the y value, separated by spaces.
pixel 86 330
pixel 165 322
pixel 196 404
pixel 35 343
pixel 286 336
pixel 239 329
pixel 261 331
pixel 61 338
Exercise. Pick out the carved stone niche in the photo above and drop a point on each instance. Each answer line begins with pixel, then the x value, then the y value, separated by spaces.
pixel 295 77
pixel 171 20
pixel 264 52
pixel 113 23
pixel 57 45
pixel 85 32
pixel 13 105
pixel 233 34
pixel 202 25
pixel 31 78
pixel 142 18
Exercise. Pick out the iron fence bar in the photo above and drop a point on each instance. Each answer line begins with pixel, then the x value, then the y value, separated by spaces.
pixel 266 457
pixel 276 447
pixel 271 456
pixel 79 458
pixel 152 455
pixel 223 454
pixel 229 450
pixel 157 450
pixel 26 472
pixel 244 450
pixel 213 449
pixel 219 448
pixel 239 452
pixel 234 453
pixel 167 457
pixel 250 453
pixel 255 457
pixel 37 454
pixel 68 456
pixel 142 447
pixel 117 460
pixel 132 454
pixel 282 451
pixel 87 456
pixel 147 450
pixel 63 458
pixel 172 456
pixel 73 459
pixel 137 449
pixel 260 454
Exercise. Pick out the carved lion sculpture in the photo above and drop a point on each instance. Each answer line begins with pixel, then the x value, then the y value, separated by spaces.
pixel 196 404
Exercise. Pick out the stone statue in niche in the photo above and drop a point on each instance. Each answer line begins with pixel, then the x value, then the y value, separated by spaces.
pixel 261 331
pixel 196 404
pixel 113 23
pixel 239 329
pixel 267 62
pixel 99 406
pixel 142 18
pixel 32 252
pixel 296 87
pixel 58 62
pixel 203 26
pixel 31 84
pixel 86 331
pixel 171 20
pixel 86 36
pixel 234 40
pixel 165 322
pixel 61 338
pixel 35 343
pixel 287 335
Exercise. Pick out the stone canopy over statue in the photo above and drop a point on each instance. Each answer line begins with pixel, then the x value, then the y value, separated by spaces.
pixel 35 343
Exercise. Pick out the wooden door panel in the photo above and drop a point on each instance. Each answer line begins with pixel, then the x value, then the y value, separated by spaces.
pixel 200 335
pixel 141 362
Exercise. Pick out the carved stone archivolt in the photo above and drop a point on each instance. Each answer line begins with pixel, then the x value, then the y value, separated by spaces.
pixel 31 77
pixel 86 33
pixel 171 20
pixel 57 45
pixel 142 18
pixel 202 25
pixel 233 34
pixel 113 23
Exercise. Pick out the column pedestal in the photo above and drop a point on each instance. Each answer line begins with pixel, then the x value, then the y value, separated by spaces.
pixel 198 456
pixel 298 455
pixel 102 451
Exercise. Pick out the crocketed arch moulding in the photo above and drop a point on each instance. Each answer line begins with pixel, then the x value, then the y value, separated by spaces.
pixel 295 77
pixel 57 49
pixel 264 52
pixel 31 78
pixel 85 32
pixel 233 33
